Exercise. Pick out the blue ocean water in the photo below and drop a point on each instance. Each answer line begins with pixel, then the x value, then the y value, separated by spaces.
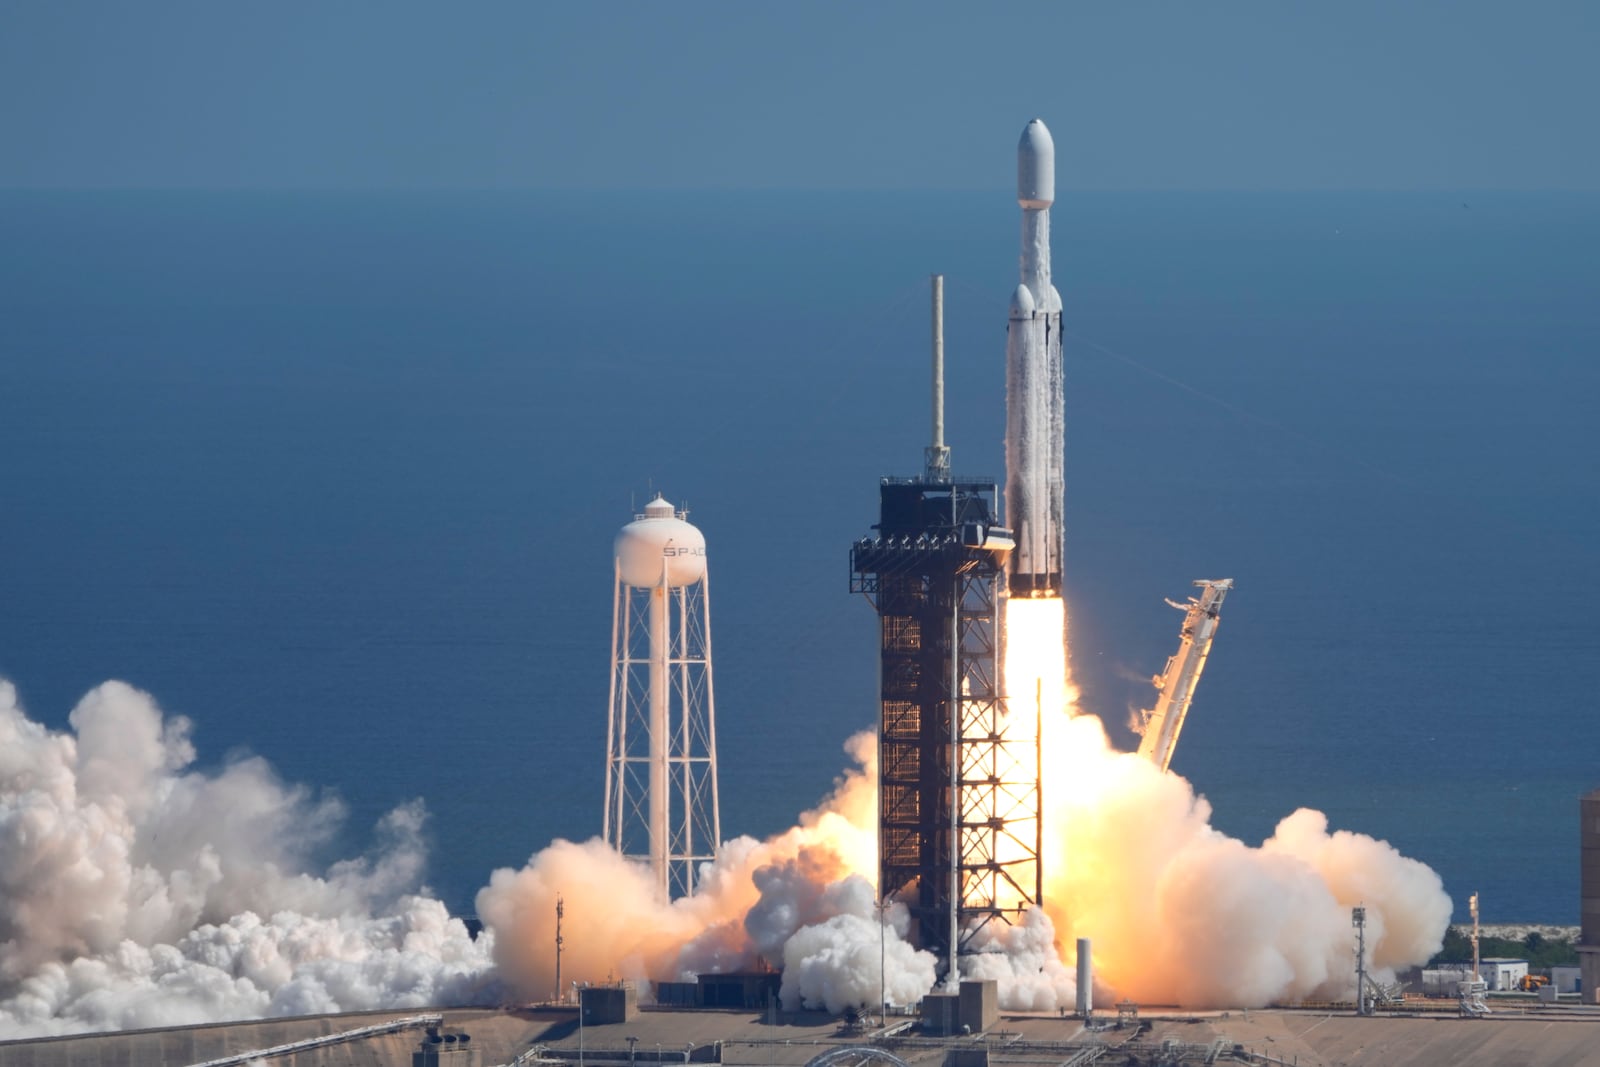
pixel 336 476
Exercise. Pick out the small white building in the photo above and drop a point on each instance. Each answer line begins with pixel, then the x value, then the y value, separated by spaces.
pixel 1446 979
pixel 1441 983
pixel 1502 973
pixel 1566 979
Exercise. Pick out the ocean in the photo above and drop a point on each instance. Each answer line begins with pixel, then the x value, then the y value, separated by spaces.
pixel 336 474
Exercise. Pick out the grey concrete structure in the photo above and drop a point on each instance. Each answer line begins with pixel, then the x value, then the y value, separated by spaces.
pixel 980 1006
pixel 941 1014
pixel 608 1004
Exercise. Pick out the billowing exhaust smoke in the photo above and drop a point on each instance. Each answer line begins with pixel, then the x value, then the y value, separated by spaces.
pixel 138 891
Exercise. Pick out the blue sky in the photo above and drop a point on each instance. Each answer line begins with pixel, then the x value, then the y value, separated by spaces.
pixel 1414 94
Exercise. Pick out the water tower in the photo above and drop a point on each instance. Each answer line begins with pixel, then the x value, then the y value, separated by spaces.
pixel 661 737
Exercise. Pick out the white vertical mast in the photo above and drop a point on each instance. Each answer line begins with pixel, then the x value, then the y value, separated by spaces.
pixel 938 455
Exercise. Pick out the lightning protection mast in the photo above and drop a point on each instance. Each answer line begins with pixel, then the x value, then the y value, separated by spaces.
pixel 661 738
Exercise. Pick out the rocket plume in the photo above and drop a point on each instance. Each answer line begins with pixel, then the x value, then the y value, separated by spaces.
pixel 1179 912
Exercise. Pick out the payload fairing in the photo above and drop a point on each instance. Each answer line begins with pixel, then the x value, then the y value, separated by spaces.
pixel 1034 405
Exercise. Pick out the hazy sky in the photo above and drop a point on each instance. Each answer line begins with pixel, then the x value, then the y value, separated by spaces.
pixel 1399 94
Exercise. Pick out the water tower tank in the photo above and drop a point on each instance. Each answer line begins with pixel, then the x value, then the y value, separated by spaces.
pixel 660 539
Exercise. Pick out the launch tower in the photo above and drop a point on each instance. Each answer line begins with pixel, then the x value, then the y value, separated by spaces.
pixel 661 737
pixel 948 796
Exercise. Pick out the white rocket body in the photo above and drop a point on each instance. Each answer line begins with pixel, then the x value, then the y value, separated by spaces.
pixel 1035 422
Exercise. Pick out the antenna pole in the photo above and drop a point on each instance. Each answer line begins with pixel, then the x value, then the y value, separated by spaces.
pixel 1358 919
pixel 938 456
pixel 560 911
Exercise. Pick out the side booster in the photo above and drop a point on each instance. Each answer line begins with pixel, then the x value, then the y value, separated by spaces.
pixel 1034 407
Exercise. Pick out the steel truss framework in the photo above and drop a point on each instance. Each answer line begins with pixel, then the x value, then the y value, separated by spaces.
pixel 935 588
pixel 693 819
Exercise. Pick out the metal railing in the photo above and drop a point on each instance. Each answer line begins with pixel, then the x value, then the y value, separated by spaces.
pixel 392 1026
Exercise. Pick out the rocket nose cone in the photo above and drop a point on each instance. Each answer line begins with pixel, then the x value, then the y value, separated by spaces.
pixel 1022 304
pixel 1036 166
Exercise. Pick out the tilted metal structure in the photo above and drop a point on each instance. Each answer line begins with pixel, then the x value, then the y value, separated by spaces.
pixel 241 1059
pixel 1176 684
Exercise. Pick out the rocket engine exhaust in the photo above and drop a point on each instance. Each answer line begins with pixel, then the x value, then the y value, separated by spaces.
pixel 1034 406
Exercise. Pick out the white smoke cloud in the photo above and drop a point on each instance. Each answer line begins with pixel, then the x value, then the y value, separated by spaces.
pixel 136 891
pixel 838 963
pixel 1024 962
pixel 249 967
pixel 1407 909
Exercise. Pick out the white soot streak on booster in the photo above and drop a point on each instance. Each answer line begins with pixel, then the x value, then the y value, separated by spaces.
pixel 1034 420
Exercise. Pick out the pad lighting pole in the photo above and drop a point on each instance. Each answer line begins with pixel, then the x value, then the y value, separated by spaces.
pixel 883 991
pixel 1474 906
pixel 1358 919
pixel 579 997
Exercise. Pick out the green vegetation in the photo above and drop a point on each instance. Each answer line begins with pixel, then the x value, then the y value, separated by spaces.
pixel 1541 952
